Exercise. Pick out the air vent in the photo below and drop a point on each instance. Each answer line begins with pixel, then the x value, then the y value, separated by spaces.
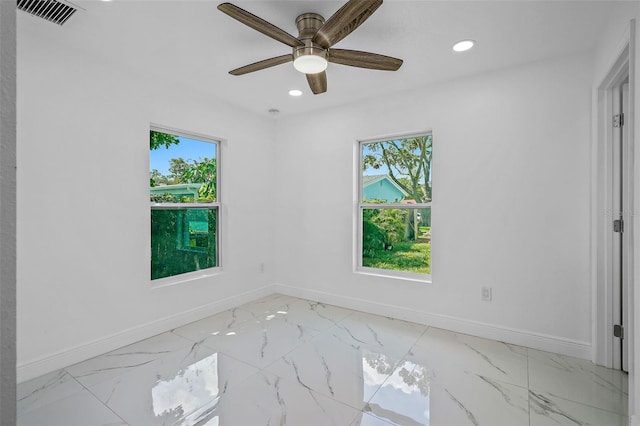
pixel 51 10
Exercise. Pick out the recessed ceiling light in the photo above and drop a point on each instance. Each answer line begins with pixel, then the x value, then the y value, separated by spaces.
pixel 295 92
pixel 463 45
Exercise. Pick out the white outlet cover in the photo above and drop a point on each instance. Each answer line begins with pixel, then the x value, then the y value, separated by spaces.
pixel 486 293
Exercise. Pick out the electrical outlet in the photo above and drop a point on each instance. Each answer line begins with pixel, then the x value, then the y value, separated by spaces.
pixel 486 294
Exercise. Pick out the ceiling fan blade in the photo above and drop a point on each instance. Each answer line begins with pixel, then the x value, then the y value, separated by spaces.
pixel 259 24
pixel 317 82
pixel 267 63
pixel 356 58
pixel 344 21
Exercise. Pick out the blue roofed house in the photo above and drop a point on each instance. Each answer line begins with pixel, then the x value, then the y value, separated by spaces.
pixel 179 190
pixel 382 187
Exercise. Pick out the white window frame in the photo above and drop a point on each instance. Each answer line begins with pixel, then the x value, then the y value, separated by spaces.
pixel 360 206
pixel 217 205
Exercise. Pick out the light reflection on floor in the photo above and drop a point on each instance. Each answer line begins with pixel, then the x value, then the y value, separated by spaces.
pixel 192 388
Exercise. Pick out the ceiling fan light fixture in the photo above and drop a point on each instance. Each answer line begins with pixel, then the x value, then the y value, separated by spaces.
pixel 310 59
pixel 310 64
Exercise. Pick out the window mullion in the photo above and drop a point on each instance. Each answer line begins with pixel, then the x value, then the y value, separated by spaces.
pixel 366 206
pixel 165 206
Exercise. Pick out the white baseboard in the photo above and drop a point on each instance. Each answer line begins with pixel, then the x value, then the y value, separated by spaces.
pixel 55 361
pixel 525 338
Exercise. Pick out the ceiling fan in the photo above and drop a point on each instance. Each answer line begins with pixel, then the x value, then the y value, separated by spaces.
pixel 312 49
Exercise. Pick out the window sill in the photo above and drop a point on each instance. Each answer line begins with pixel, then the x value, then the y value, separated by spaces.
pixel 186 277
pixel 397 275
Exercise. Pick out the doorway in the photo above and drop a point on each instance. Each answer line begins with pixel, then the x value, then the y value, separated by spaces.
pixel 620 208
pixel 612 227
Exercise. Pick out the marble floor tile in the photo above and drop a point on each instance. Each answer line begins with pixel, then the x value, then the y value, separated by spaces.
pixel 45 389
pixel 445 351
pixel 578 380
pixel 378 334
pixel 260 343
pixel 268 305
pixel 367 419
pixel 267 399
pixel 115 363
pixel 336 370
pixel 413 395
pixel 78 409
pixel 547 410
pixel 213 325
pixel 313 314
pixel 181 388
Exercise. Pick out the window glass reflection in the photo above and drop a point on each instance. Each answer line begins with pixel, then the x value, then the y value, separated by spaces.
pixel 404 396
pixel 191 394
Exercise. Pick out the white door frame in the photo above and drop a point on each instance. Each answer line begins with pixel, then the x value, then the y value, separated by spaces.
pixel 602 277
pixel 622 176
pixel 602 215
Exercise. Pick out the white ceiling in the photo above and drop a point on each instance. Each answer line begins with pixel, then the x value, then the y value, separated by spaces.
pixel 192 43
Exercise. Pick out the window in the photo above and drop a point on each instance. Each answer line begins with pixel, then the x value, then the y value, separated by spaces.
pixel 185 202
pixel 394 206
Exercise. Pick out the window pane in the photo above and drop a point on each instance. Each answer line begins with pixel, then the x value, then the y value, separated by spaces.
pixel 182 240
pixel 182 170
pixel 397 239
pixel 397 171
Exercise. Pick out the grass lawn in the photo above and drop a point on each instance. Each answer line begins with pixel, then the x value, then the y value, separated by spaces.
pixel 410 256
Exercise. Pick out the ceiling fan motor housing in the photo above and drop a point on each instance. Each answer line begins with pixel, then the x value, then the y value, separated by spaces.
pixel 308 25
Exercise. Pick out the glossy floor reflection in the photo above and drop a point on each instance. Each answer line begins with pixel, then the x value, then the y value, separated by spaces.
pixel 282 360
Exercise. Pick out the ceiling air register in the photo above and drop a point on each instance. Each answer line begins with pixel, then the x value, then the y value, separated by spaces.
pixel 54 11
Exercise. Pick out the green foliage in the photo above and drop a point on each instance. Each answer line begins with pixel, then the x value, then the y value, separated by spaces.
pixel 373 238
pixel 406 256
pixel 177 168
pixel 190 171
pixel 382 228
pixel 385 244
pixel 393 222
pixel 177 245
pixel 387 225
pixel 157 178
pixel 166 198
pixel 204 172
pixel 159 139
pixel 184 171
pixel 408 161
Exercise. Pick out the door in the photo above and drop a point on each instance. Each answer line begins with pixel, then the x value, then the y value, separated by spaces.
pixel 619 210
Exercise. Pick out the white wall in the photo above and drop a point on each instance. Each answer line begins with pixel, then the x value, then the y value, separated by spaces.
pixel 510 206
pixel 83 225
